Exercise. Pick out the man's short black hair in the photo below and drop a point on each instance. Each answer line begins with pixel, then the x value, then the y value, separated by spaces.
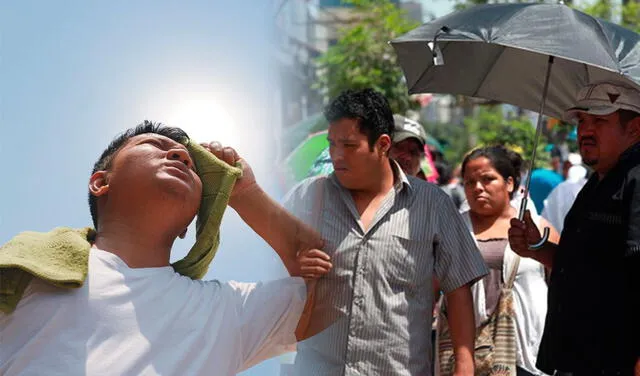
pixel 369 107
pixel 105 160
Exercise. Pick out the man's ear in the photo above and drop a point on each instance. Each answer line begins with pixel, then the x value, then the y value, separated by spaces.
pixel 510 184
pixel 384 144
pixel 633 128
pixel 98 185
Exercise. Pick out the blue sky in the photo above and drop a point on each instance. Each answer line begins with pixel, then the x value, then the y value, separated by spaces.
pixel 74 74
pixel 438 7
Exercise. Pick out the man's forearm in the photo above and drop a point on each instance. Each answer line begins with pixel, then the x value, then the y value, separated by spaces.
pixel 463 328
pixel 302 330
pixel 285 233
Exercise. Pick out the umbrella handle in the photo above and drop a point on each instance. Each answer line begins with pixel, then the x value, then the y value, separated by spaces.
pixel 545 232
pixel 543 240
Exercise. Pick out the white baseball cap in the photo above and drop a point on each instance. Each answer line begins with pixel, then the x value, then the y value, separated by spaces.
pixel 407 128
pixel 604 98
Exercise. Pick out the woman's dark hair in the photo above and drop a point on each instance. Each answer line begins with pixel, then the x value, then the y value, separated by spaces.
pixel 507 162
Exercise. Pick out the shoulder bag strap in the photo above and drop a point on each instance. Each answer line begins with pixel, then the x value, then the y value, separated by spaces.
pixel 514 271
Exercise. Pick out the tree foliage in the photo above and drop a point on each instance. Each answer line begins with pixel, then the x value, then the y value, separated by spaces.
pixel 362 57
pixel 626 14
pixel 492 127
pixel 489 125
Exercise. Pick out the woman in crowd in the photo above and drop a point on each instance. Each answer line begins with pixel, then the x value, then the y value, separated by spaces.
pixel 491 176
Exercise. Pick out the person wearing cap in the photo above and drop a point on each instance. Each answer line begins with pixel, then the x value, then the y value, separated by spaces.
pixel 409 139
pixel 407 149
pixel 134 314
pixel 596 264
pixel 388 235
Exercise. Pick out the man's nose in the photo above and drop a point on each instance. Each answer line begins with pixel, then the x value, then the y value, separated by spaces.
pixel 585 126
pixel 404 157
pixel 336 154
pixel 179 154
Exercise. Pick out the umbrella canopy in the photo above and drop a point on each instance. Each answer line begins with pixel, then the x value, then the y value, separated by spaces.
pixel 535 56
pixel 501 52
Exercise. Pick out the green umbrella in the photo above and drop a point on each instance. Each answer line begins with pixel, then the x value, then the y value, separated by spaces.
pixel 302 158
pixel 299 132
pixel 322 165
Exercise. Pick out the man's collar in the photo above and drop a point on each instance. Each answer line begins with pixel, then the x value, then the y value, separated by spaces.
pixel 626 159
pixel 631 152
pixel 399 177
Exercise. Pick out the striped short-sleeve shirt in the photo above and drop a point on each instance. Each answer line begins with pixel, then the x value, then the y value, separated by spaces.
pixel 379 292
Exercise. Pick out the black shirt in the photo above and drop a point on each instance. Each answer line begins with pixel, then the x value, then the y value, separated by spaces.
pixel 593 319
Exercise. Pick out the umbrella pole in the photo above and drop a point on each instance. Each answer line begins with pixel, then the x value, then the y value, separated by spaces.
pixel 525 199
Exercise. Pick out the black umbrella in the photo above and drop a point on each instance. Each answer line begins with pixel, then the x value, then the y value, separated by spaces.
pixel 535 56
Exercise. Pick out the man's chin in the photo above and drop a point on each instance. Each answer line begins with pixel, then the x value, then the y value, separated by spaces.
pixel 179 189
pixel 346 180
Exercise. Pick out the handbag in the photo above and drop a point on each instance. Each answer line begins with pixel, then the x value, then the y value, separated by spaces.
pixel 495 343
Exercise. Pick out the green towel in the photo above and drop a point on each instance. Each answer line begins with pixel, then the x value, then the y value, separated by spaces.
pixel 218 179
pixel 61 256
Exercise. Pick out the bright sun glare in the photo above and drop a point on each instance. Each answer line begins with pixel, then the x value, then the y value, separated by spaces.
pixel 204 120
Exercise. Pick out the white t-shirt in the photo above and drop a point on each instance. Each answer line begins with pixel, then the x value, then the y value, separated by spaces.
pixel 148 321
pixel 560 201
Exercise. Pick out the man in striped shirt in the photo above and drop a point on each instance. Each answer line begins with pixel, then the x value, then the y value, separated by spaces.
pixel 388 235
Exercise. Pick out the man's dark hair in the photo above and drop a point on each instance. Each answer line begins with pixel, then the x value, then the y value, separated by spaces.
pixel 369 107
pixel 507 162
pixel 105 160
pixel 444 172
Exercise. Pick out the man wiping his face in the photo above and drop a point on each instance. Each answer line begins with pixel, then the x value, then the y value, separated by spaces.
pixel 79 301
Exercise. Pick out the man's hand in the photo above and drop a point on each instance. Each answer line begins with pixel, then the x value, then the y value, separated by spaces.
pixel 286 234
pixel 312 264
pixel 523 233
pixel 636 371
pixel 227 154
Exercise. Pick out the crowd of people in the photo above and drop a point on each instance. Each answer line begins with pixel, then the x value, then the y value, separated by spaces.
pixel 373 251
